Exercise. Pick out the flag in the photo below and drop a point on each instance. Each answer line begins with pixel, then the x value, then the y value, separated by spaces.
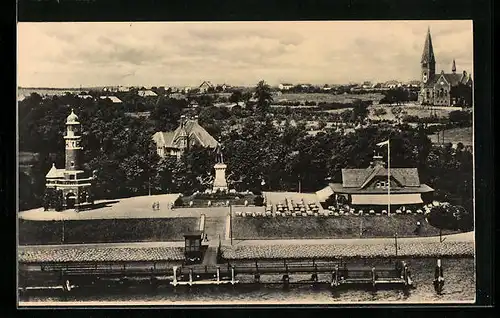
pixel 383 143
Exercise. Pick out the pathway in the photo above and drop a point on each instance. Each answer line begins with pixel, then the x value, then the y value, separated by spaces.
pixel 461 237
pixel 124 213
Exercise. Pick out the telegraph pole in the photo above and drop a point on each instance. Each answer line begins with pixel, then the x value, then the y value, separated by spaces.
pixel 62 234
pixel 396 243
pixel 231 223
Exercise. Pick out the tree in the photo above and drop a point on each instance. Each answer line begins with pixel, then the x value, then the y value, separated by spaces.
pixel 258 200
pixel 462 118
pixel 379 112
pixel 236 96
pixel 462 94
pixel 263 96
pixel 360 110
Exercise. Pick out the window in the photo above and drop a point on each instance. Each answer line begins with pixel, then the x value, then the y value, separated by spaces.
pixel 72 163
pixel 381 185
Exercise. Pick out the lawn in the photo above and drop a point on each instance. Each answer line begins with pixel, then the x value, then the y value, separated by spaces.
pixel 455 135
pixel 105 230
pixel 331 227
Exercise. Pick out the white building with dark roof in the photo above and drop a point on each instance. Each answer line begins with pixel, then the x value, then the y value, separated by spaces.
pixel 188 134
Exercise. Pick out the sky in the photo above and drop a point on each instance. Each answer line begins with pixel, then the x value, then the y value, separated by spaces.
pixel 237 53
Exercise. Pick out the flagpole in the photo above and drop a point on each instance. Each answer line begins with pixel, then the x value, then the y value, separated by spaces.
pixel 388 177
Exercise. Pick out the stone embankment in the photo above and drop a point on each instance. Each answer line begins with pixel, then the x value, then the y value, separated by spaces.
pixel 325 251
pixel 100 254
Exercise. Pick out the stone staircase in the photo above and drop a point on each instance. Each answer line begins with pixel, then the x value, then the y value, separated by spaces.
pixel 215 226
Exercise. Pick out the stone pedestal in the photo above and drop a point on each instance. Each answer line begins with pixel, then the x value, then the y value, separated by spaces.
pixel 220 182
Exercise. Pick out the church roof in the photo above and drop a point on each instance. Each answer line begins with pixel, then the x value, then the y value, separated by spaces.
pixel 192 129
pixel 428 53
pixel 359 178
pixel 454 79
pixel 55 173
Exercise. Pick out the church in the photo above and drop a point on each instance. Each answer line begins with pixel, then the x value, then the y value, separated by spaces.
pixel 188 134
pixel 436 89
pixel 71 181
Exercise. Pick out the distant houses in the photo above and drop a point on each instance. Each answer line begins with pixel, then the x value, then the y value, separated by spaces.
pixel 285 86
pixel 205 87
pixel 392 84
pixel 85 96
pixel 146 93
pixel 113 99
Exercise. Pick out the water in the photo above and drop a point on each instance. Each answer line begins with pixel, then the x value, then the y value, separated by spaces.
pixel 459 287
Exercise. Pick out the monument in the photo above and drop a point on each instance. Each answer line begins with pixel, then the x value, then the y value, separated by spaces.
pixel 220 183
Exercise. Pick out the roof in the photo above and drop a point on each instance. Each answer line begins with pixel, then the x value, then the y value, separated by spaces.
pixel 84 96
pixel 72 118
pixel 392 82
pixel 55 173
pixel 32 254
pixel 431 81
pixel 113 99
pixel 359 178
pixel 428 53
pixel 144 93
pixel 193 233
pixel 339 188
pixel 192 129
pixel 454 79
pixel 206 83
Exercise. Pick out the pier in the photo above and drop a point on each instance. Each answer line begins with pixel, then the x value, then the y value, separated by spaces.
pixel 340 273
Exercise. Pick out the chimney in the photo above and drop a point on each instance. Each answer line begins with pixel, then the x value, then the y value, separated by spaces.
pixel 183 120
pixel 454 67
pixel 195 118
pixel 378 160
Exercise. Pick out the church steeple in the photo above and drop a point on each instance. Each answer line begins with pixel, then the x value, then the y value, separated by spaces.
pixel 428 61
pixel 453 67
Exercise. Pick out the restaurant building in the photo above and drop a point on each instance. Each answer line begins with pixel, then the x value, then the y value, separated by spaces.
pixel 368 188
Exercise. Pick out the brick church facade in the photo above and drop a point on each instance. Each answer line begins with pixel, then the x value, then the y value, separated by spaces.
pixel 437 89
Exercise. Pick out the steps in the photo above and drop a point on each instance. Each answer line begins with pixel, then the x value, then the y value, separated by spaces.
pixel 215 226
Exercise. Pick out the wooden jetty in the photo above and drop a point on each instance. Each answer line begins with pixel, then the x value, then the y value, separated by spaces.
pixel 83 274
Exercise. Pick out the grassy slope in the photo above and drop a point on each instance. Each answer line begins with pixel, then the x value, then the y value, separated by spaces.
pixel 105 231
pixel 332 227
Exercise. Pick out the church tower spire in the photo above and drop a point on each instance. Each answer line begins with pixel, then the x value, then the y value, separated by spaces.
pixel 453 67
pixel 428 61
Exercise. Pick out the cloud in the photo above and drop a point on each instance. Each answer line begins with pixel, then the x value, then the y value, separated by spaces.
pixel 241 53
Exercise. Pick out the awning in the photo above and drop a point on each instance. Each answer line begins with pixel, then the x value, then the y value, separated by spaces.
pixel 381 199
pixel 324 194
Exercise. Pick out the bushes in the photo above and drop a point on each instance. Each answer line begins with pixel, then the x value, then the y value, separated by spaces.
pixel 258 200
pixel 449 217
pixel 179 202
